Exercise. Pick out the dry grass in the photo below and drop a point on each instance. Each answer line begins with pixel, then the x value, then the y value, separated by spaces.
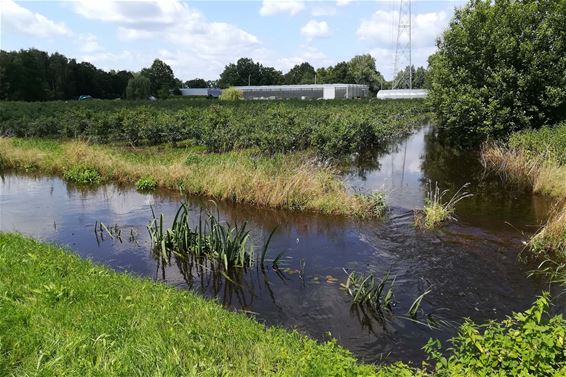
pixel 290 181
pixel 543 176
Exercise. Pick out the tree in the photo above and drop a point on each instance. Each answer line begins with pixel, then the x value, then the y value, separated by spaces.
pixel 500 68
pixel 246 71
pixel 300 74
pixel 160 76
pixel 196 83
pixel 231 94
pixel 419 78
pixel 362 70
pixel 138 87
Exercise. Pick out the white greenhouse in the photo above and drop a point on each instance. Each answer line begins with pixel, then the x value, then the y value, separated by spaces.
pixel 308 91
pixel 402 94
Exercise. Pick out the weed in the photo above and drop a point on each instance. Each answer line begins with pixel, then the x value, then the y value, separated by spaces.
pixel 82 175
pixel 370 292
pixel 146 184
pixel 436 210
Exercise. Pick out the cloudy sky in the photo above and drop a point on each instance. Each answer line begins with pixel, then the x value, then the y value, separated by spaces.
pixel 198 38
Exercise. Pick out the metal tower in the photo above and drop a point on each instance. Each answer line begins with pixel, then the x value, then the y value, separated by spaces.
pixel 403 49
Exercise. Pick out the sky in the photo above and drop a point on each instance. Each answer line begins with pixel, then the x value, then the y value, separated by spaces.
pixel 199 38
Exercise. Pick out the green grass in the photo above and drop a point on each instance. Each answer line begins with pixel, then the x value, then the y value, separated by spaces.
pixel 63 316
pixel 146 184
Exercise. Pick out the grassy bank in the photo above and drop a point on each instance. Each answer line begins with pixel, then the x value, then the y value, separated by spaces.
pixel 537 160
pixel 290 181
pixel 62 315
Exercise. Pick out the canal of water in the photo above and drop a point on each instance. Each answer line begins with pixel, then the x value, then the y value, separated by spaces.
pixel 469 265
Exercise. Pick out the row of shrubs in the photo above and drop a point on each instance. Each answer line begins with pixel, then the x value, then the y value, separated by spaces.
pixel 547 142
pixel 331 127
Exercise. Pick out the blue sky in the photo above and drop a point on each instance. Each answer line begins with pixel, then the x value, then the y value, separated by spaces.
pixel 198 38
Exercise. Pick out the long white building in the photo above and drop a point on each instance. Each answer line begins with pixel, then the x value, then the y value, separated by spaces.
pixel 307 91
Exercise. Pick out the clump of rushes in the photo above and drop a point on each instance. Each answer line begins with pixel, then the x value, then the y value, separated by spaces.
pixel 146 184
pixel 436 210
pixel 230 246
pixel 82 175
pixel 374 205
pixel 368 291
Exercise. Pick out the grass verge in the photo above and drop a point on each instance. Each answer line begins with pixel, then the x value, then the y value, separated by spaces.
pixel 61 315
pixel 291 181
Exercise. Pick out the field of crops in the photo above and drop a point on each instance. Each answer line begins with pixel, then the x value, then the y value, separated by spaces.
pixel 332 128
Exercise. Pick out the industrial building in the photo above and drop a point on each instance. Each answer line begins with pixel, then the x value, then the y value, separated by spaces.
pixel 201 92
pixel 402 93
pixel 307 91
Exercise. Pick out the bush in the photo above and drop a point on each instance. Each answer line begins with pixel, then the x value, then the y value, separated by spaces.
pixel 331 128
pixel 83 175
pixel 231 94
pixel 500 68
pixel 548 143
pixel 526 344
pixel 146 184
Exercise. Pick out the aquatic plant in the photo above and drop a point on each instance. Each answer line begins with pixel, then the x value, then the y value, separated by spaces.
pixel 436 210
pixel 229 245
pixel 374 204
pixel 83 175
pixel 367 290
pixel 146 184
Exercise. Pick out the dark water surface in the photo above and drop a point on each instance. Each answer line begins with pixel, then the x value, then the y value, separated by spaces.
pixel 470 265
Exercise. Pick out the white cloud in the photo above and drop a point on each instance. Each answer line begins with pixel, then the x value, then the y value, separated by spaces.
pixel 89 43
pixel 315 29
pixel 18 19
pixel 307 54
pixel 196 40
pixel 323 10
pixel 272 7
pixel 378 30
pixel 342 3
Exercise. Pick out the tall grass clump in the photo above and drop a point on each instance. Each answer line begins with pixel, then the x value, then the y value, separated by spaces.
pixel 228 245
pixel 436 209
pixel 370 292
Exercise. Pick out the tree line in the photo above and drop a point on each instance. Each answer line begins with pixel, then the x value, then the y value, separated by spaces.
pixel 34 75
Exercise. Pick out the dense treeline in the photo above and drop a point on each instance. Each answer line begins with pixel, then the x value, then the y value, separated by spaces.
pixel 500 68
pixel 332 128
pixel 34 75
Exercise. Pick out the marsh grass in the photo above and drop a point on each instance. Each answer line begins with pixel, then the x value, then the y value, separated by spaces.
pixel 228 245
pixel 525 162
pixel 370 292
pixel 436 209
pixel 292 181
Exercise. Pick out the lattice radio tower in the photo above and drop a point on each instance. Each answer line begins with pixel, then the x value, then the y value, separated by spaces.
pixel 403 49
